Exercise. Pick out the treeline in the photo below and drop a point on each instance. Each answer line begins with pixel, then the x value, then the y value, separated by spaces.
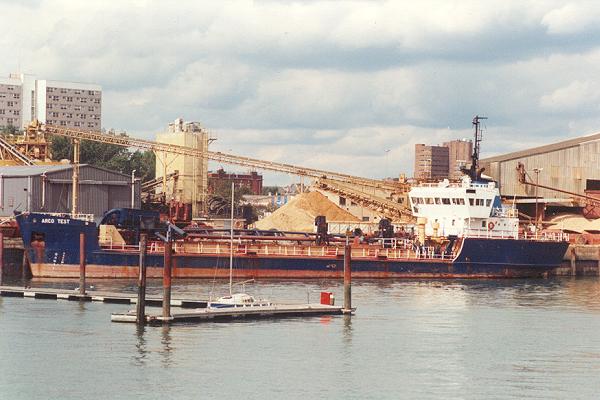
pixel 106 155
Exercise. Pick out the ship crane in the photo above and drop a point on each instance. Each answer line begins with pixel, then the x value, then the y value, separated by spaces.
pixel 78 134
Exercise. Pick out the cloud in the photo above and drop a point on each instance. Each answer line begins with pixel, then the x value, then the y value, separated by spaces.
pixel 321 83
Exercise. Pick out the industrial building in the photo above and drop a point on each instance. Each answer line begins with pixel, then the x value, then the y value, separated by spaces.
pixel 571 166
pixel 24 98
pixel 191 185
pixel 459 156
pixel 253 180
pixel 48 188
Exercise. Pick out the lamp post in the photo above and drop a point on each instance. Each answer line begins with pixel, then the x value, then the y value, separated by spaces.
pixel 537 179
pixel 387 151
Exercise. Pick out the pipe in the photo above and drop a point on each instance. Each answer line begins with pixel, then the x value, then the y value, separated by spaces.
pixel 133 188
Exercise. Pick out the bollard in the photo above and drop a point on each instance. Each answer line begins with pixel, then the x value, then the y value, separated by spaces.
pixel 573 262
pixel 1 258
pixel 347 280
pixel 82 263
pixel 166 309
pixel 141 300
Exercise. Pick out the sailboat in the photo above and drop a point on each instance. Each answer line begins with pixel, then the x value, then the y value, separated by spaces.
pixel 236 299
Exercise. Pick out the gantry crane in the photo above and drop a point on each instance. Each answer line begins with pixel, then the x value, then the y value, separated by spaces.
pixel 126 141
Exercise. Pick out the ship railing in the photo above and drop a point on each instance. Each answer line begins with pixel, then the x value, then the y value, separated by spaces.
pixel 490 233
pixel 277 250
pixel 546 236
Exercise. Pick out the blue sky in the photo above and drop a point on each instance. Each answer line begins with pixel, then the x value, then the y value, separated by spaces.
pixel 327 84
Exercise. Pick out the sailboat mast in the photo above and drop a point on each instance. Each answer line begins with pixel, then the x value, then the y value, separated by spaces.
pixel 231 244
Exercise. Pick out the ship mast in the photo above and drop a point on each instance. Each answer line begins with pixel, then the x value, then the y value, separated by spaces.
pixel 474 172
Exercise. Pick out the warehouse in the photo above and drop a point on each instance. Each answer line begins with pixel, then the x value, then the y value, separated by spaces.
pixel 47 188
pixel 565 171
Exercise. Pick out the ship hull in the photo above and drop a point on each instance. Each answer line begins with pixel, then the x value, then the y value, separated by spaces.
pixel 57 256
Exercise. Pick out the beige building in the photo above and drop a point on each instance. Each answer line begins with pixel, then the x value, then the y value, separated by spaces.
pixel 572 165
pixel 191 185
pixel 431 162
pixel 68 104
pixel 24 98
pixel 459 156
pixel 10 102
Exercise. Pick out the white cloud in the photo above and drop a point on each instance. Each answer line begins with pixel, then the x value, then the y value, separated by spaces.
pixel 321 83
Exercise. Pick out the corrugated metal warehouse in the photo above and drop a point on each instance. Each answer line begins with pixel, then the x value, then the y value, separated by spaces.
pixel 572 165
pixel 48 188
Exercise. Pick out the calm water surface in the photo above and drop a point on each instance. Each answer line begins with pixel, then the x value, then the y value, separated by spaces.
pixel 509 339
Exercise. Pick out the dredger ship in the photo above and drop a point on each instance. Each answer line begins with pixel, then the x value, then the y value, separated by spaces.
pixel 462 231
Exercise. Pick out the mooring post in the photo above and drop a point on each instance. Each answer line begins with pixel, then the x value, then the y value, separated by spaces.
pixel 1 258
pixel 82 263
pixel 141 300
pixel 573 262
pixel 347 280
pixel 166 309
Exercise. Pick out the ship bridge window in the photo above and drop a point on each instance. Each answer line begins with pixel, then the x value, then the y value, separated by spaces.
pixel 488 202
pixel 479 202
pixel 428 200
pixel 438 200
pixel 445 201
pixel 472 202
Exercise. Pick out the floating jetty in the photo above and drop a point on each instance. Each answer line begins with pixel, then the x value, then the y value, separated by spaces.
pixel 93 295
pixel 232 313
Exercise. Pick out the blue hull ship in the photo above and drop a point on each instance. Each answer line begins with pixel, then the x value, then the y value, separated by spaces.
pixel 52 245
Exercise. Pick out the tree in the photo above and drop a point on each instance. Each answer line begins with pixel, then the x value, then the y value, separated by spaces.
pixel 106 155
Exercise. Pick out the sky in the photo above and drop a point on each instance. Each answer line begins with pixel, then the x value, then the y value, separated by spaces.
pixel 348 86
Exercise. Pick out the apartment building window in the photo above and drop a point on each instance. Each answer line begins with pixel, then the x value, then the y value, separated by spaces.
pixel 97 101
pixel 16 112
pixel 2 95
pixel 83 100
pixel 55 98
pixel 90 124
pixel 49 106
pixel 49 121
pixel 63 123
pixel 16 95
pixel 77 108
pixel 78 92
pixel 11 88
pixel 50 90
pixel 69 115
pixel 63 90
pixel 10 103
pixel 2 112
pixel 90 108
pixel 91 92
pixel 55 114
pixel 9 121
pixel 77 123
pixel 63 107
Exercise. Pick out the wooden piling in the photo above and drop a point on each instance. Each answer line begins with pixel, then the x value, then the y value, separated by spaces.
pixel 573 262
pixel 82 263
pixel 1 257
pixel 141 299
pixel 166 306
pixel 347 280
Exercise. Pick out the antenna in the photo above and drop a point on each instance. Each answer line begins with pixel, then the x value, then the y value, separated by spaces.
pixel 474 171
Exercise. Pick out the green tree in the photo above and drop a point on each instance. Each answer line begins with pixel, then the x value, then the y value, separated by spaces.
pixel 106 155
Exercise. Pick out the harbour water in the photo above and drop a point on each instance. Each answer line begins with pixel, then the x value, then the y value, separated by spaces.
pixel 456 339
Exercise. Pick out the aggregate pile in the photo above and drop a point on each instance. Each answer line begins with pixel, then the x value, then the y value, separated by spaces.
pixel 575 223
pixel 299 214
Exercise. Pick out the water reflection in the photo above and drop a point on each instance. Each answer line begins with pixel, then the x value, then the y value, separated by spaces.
pixel 166 350
pixel 347 331
pixel 141 355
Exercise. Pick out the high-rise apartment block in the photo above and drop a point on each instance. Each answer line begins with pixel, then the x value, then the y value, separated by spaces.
pixel 24 98
pixel 440 162
pixel 431 162
pixel 459 156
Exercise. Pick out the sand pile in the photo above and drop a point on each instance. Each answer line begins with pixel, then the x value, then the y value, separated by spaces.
pixel 299 214
pixel 575 223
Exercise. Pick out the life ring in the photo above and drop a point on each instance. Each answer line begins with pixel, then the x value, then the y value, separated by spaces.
pixel 491 225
